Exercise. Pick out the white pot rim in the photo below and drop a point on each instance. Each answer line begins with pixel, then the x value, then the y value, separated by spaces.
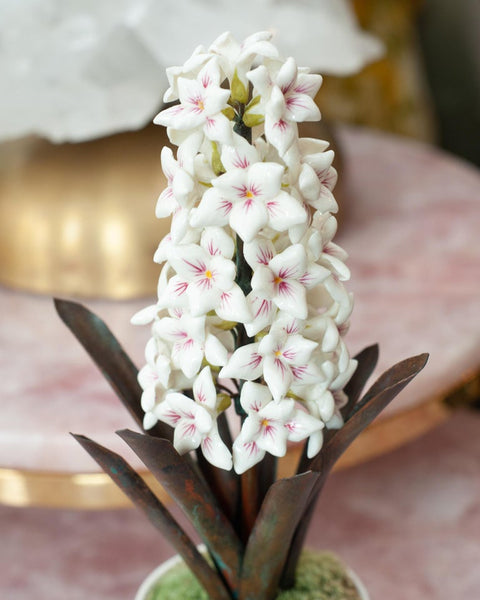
pixel 156 574
pixel 175 560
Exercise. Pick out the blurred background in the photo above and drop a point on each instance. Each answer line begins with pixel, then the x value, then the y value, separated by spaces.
pixel 80 83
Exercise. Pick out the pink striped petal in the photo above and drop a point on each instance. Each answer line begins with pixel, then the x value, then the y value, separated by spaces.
pixel 254 397
pixel 248 217
pixel 234 306
pixel 246 454
pixel 292 298
pixel 277 375
pixel 263 311
pixel 215 451
pixel 214 209
pixel 285 211
pixel 301 425
pixel 204 390
pixel 260 251
pixel 245 363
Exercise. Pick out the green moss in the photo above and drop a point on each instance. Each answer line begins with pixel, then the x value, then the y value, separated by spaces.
pixel 319 577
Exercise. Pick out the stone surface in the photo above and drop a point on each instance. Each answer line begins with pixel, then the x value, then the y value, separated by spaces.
pixel 411 228
pixel 408 523
pixel 72 72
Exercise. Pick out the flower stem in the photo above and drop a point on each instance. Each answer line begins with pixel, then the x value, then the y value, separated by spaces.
pixel 240 127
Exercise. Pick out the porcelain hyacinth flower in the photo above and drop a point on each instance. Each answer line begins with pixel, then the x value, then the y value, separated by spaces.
pixel 251 298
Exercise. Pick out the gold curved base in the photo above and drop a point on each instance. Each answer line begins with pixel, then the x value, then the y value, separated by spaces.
pixel 79 219
pixel 24 488
pixel 66 490
pixel 97 491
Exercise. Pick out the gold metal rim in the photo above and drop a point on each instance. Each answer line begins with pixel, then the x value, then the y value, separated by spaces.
pixel 96 491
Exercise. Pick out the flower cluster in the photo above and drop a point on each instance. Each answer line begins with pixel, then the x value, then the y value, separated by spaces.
pixel 251 304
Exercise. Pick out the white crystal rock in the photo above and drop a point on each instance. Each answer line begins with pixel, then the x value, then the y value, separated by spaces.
pixel 73 71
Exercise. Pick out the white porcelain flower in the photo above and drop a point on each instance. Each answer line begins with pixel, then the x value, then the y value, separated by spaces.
pixel 237 58
pixel 191 343
pixel 249 199
pixel 287 94
pixel 252 282
pixel 268 426
pixel 280 357
pixel 194 421
pixel 205 278
pixel 285 279
pixel 202 101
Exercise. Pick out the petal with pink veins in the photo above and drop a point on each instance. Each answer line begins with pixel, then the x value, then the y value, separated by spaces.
pixel 214 209
pixel 300 108
pixel 175 294
pixel 277 375
pixel 215 450
pixel 259 251
pixel 246 454
pixel 217 242
pixel 287 75
pixel 166 204
pixel 313 275
pixel 280 132
pixel 218 128
pixel 292 298
pixel 247 218
pixel 189 261
pixel 239 155
pixel 285 211
pixel 234 306
pixel 306 374
pixel 254 397
pixel 301 425
pixel 263 311
pixel 297 350
pixel 187 355
pixel 204 390
pixel 245 363
pixel 273 435
pixel 291 263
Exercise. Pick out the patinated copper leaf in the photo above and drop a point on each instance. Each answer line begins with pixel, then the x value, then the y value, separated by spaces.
pixel 367 361
pixel 144 499
pixel 189 491
pixel 270 539
pixel 382 392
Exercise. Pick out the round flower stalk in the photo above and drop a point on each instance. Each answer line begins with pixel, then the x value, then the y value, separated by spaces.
pixel 251 307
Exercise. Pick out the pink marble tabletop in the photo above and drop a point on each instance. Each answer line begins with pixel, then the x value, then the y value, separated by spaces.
pixel 407 522
pixel 411 230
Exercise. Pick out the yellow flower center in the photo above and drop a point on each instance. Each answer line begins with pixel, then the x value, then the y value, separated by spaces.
pixel 264 423
pixel 200 105
pixel 208 274
pixel 249 194
pixel 277 280
pixel 278 353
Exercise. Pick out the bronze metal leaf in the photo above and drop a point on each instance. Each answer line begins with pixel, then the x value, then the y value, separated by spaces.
pixel 145 500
